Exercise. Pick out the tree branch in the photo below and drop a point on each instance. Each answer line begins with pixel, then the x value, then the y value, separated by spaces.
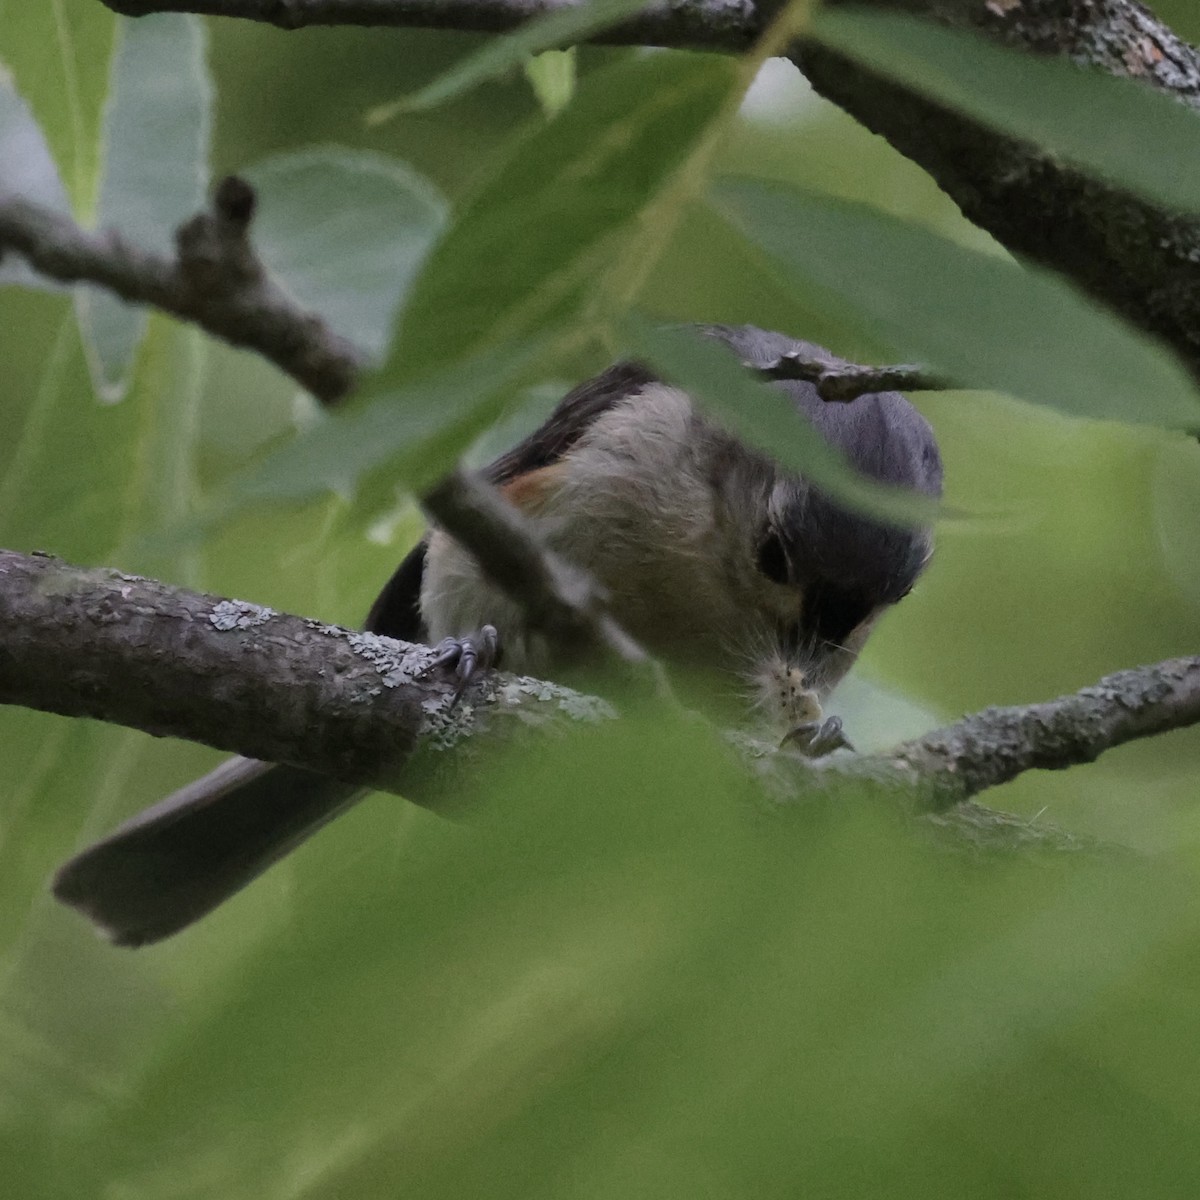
pixel 992 747
pixel 243 678
pixel 558 598
pixel 216 281
pixel 1133 256
pixel 728 25
pixel 838 381
pixel 119 648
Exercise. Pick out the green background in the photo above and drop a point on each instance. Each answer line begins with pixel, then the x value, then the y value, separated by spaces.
pixel 631 983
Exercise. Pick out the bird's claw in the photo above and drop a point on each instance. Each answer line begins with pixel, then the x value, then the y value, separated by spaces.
pixel 469 656
pixel 814 739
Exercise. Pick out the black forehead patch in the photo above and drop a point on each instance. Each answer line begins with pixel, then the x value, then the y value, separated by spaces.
pixel 883 436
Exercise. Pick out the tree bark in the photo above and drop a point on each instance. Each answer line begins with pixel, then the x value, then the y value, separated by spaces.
pixel 243 678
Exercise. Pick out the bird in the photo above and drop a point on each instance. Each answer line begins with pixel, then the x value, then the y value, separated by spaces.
pixel 726 566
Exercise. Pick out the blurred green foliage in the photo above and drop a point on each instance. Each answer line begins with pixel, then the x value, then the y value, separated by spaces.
pixel 1098 121
pixel 626 979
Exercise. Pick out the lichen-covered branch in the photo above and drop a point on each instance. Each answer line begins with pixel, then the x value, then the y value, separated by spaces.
pixel 233 675
pixel 215 280
pixel 1136 258
pixel 242 678
pixel 991 747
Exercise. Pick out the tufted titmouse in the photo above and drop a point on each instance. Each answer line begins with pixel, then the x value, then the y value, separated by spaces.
pixel 719 561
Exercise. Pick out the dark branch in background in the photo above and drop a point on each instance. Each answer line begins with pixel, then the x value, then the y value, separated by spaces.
pixel 723 25
pixel 1136 258
pixel 233 675
pixel 1133 256
pixel 216 281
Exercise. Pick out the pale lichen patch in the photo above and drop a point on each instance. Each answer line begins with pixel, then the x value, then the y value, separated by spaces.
pixel 397 662
pixel 324 628
pixel 581 707
pixel 239 614
pixel 445 724
pixel 576 705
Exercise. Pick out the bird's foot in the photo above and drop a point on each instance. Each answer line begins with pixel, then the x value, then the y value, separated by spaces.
pixel 814 739
pixel 469 657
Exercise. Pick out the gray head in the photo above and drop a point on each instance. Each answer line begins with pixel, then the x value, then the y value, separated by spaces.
pixel 844 568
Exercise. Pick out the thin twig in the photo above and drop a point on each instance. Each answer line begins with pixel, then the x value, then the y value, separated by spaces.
pixel 698 24
pixel 998 744
pixel 839 382
pixel 558 598
pixel 216 280
pixel 942 769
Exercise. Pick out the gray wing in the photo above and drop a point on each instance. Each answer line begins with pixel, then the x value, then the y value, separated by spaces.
pixel 570 419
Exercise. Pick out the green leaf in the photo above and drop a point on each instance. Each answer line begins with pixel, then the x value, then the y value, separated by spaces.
pixel 529 247
pixel 58 54
pixel 157 127
pixel 984 322
pixel 162 485
pixel 1175 489
pixel 87 480
pixel 417 433
pixel 345 232
pixel 552 75
pixel 617 985
pixel 1132 134
pixel 500 54
pixel 765 417
pixel 26 170
pixel 84 480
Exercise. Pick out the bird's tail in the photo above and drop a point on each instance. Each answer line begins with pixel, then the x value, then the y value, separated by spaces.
pixel 178 860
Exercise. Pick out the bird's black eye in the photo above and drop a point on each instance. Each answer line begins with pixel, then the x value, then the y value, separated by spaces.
pixel 833 612
pixel 772 558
